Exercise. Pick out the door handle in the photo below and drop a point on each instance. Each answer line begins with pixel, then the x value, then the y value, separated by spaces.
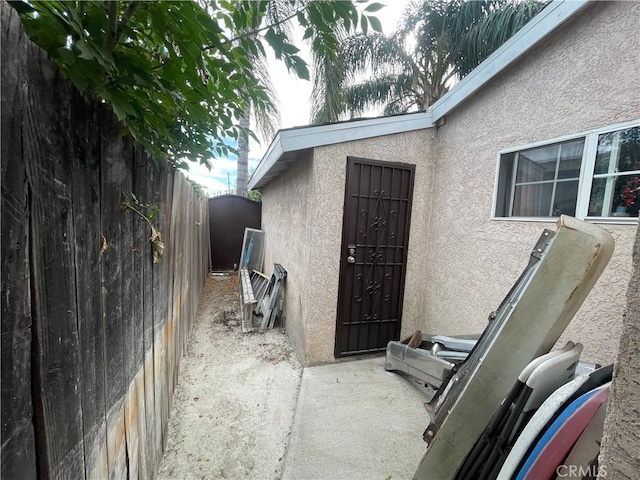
pixel 351 259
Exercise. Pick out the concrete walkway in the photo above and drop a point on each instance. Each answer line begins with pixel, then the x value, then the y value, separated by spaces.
pixel 354 420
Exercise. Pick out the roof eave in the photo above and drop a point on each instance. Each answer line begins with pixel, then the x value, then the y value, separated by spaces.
pixel 542 25
pixel 304 138
pixel 536 30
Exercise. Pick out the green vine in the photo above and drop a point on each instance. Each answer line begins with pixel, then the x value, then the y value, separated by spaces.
pixel 198 188
pixel 255 195
pixel 148 213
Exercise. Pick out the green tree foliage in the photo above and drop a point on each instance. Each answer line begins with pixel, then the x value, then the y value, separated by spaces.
pixel 435 42
pixel 255 195
pixel 323 39
pixel 176 73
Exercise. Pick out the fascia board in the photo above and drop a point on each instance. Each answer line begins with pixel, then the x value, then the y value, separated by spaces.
pixel 549 19
pixel 316 136
pixel 272 155
pixel 301 138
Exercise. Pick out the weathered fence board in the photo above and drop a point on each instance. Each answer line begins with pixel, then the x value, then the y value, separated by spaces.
pixel 162 298
pixel 142 270
pixel 18 442
pixel 57 370
pixel 105 327
pixel 85 158
pixel 115 226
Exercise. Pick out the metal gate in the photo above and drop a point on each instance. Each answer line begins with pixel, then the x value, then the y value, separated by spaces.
pixel 377 213
pixel 228 217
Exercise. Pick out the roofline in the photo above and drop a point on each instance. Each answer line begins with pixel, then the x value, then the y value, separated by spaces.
pixel 302 138
pixel 537 29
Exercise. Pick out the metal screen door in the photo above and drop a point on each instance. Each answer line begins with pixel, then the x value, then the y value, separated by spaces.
pixel 377 213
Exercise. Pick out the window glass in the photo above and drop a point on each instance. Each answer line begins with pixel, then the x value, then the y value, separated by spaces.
pixel 565 198
pixel 532 200
pixel 545 181
pixel 615 196
pixel 618 151
pixel 571 159
pixel 537 164
pixel 616 183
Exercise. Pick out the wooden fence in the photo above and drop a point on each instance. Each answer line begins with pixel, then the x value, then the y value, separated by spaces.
pixel 92 329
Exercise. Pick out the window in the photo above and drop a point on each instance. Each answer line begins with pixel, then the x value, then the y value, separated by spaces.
pixel 592 175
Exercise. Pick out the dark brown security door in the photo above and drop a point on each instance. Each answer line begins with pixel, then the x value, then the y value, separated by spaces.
pixel 377 213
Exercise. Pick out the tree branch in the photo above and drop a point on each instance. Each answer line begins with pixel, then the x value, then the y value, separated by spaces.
pixel 128 13
pixel 258 30
pixel 114 32
pixel 111 35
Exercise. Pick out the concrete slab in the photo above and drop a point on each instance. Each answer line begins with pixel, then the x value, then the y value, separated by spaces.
pixel 354 420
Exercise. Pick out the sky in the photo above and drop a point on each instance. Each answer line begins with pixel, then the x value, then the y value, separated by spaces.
pixel 295 107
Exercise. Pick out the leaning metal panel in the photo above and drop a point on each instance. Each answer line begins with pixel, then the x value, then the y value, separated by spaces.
pixel 562 271
pixel 247 300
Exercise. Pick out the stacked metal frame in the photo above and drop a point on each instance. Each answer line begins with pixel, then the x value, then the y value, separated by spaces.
pixel 271 304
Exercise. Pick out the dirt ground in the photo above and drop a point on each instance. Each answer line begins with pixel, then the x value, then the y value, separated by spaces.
pixel 236 395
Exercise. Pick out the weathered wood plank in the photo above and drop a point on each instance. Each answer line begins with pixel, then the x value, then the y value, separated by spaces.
pixel 116 441
pixel 162 193
pixel 57 402
pixel 132 433
pixel 131 315
pixel 18 442
pixel 153 176
pixel 115 225
pixel 174 330
pixel 85 160
pixel 136 426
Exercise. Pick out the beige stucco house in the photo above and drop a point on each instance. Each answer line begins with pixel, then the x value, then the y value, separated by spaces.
pixel 449 201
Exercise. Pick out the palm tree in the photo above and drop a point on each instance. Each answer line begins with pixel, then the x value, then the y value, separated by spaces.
pixel 322 29
pixel 435 42
pixel 266 117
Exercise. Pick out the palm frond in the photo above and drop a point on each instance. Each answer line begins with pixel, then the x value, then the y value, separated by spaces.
pixel 376 92
pixel 483 38
pixel 276 11
pixel 266 114
pixel 399 105
pixel 435 40
pixel 327 98
pixel 362 53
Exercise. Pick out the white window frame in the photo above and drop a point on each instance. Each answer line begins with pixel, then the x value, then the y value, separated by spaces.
pixel 585 179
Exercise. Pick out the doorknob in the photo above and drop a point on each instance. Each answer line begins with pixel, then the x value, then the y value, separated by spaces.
pixel 351 249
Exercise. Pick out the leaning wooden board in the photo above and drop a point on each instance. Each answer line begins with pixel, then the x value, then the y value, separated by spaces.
pixel 526 326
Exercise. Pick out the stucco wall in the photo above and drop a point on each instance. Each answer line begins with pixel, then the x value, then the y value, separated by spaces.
pixel 303 215
pixel 620 452
pixel 285 207
pixel 584 76
pixel 461 263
